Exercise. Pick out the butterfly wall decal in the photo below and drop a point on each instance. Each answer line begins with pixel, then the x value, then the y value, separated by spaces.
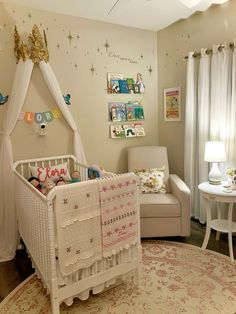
pixel 67 99
pixel 3 99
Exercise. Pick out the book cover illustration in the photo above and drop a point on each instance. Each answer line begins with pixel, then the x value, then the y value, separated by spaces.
pixel 123 87
pixel 139 129
pixel 115 77
pixel 117 131
pixel 130 130
pixel 130 83
pixel 115 86
pixel 139 113
pixel 130 112
pixel 117 111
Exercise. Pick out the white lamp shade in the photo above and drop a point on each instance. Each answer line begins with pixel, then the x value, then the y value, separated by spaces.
pixel 215 152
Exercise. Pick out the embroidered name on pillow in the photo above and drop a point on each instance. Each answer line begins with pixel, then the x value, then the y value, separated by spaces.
pixel 51 172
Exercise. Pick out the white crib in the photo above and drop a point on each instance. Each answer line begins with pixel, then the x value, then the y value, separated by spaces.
pixel 37 225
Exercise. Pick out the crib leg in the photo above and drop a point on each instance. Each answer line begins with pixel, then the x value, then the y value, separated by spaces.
pixel 139 270
pixel 54 297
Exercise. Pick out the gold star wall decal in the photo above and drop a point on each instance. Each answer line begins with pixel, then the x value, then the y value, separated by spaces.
pixel 150 70
pixel 70 37
pixel 76 65
pixel 58 45
pixel 106 45
pixel 78 37
pixel 92 69
pixel 29 15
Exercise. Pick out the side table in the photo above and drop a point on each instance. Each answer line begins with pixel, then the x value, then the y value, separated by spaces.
pixel 216 193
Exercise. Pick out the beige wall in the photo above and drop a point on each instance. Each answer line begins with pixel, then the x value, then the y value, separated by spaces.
pixel 216 25
pixel 89 98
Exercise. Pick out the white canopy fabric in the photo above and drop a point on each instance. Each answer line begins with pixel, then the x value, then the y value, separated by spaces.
pixel 8 226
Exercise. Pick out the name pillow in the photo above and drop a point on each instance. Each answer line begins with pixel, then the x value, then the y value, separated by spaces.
pixel 51 172
pixel 151 180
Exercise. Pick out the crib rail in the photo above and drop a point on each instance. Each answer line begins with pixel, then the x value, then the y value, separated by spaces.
pixel 33 225
pixel 22 166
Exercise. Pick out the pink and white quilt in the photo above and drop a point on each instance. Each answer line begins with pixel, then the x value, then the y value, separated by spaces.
pixel 119 212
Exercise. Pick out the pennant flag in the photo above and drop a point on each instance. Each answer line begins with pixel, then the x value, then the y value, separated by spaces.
pixel 38 117
pixel 56 113
pixel 48 116
pixel 21 116
pixel 29 117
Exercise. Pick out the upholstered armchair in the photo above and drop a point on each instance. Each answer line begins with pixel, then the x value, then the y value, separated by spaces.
pixel 161 214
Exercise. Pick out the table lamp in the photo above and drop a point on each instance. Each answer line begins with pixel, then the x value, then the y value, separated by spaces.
pixel 215 152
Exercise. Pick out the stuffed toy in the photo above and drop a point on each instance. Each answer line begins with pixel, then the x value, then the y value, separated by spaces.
pixel 75 177
pixel 48 185
pixel 60 181
pixel 35 182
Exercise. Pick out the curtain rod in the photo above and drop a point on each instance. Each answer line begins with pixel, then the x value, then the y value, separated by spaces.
pixel 208 51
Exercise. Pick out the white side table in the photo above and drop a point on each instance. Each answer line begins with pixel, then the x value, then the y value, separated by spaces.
pixel 215 193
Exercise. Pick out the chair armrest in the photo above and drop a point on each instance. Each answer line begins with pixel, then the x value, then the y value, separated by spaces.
pixel 180 190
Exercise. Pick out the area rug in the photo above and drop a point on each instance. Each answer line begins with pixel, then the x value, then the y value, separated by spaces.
pixel 177 278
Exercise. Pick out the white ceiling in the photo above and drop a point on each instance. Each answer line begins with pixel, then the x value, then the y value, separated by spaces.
pixel 144 14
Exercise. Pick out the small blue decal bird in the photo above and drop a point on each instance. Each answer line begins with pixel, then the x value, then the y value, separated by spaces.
pixel 3 99
pixel 67 99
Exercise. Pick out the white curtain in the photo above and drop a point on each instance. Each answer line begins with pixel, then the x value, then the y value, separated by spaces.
pixel 8 229
pixel 215 113
pixel 190 127
pixel 54 88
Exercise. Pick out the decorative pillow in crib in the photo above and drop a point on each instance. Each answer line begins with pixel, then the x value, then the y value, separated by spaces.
pixel 51 172
pixel 151 180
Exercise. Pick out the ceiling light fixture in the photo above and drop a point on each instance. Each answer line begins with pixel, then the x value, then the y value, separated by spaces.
pixel 193 3
pixel 190 3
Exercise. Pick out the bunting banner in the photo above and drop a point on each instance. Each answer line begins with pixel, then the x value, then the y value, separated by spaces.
pixel 40 117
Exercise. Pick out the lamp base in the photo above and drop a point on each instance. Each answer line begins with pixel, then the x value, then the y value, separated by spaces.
pixel 214 175
pixel 215 182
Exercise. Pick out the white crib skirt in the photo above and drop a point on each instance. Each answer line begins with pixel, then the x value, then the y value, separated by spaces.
pixel 124 256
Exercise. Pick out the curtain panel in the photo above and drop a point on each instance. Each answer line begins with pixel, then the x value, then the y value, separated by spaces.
pixel 210 116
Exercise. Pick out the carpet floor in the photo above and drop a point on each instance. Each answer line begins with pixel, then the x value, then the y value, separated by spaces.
pixel 177 278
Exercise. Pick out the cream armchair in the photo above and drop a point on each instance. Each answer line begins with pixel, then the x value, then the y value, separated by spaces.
pixel 161 214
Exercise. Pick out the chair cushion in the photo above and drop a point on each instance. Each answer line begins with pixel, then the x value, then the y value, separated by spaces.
pixel 159 205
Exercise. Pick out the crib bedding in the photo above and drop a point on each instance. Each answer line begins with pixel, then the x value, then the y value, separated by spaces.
pixel 83 236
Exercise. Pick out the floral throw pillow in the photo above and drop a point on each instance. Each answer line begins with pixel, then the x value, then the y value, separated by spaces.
pixel 151 180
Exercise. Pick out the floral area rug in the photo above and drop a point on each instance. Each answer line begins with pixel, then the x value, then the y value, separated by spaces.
pixel 177 278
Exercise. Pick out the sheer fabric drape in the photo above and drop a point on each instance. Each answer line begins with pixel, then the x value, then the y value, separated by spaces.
pixel 54 88
pixel 8 227
pixel 215 113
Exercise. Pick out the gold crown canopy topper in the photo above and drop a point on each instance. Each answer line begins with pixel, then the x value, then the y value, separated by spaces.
pixel 36 49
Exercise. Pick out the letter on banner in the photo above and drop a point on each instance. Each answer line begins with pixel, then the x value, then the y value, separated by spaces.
pixel 56 113
pixel 38 117
pixel 21 116
pixel 29 117
pixel 48 116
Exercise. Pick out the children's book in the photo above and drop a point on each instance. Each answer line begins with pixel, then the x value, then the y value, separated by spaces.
pixel 139 129
pixel 123 87
pixel 115 86
pixel 139 113
pixel 130 130
pixel 113 76
pixel 117 111
pixel 130 83
pixel 130 111
pixel 117 131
